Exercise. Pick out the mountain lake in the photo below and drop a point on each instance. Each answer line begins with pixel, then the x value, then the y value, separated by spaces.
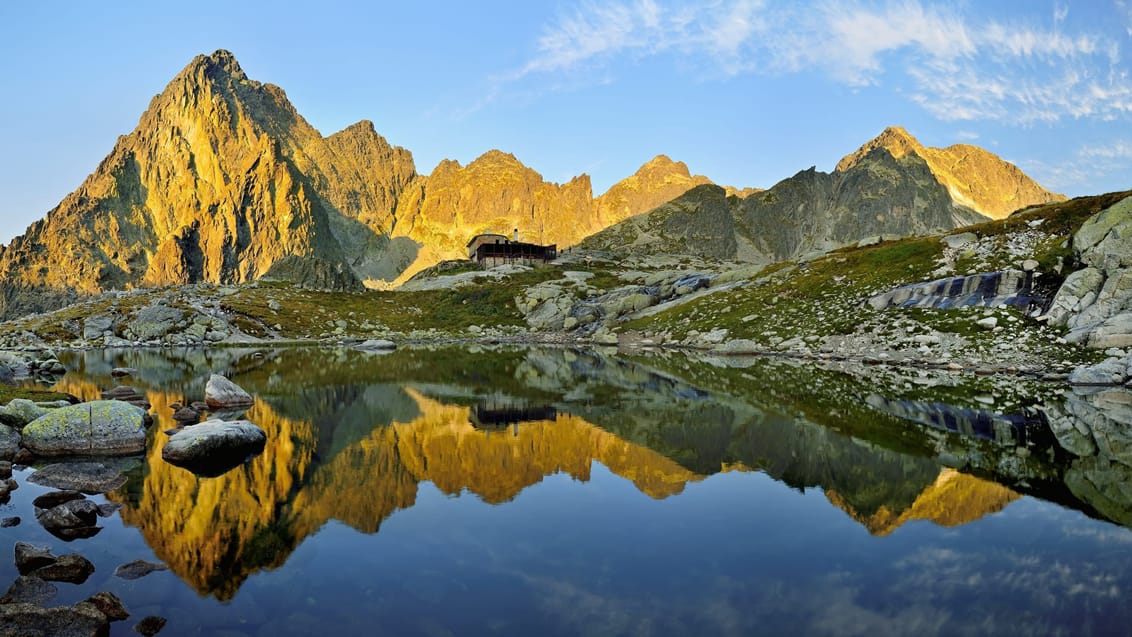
pixel 515 491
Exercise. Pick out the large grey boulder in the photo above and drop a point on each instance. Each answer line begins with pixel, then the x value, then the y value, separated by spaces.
pixel 1096 302
pixel 154 321
pixel 214 446
pixel 97 326
pixel 20 412
pixel 97 428
pixel 221 392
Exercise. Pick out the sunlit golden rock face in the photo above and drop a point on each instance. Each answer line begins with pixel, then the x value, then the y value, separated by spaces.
pixel 657 182
pixel 215 532
pixel 220 178
pixel 497 193
pixel 953 499
pixel 975 177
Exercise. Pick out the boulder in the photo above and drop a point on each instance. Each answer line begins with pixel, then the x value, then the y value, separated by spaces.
pixel 109 604
pixel 29 590
pixel 739 346
pixel 101 427
pixel 186 415
pixel 1113 371
pixel 121 372
pixel 79 620
pixel 29 557
pixel 72 568
pixel 377 345
pixel 20 412
pixel 89 477
pixel 9 442
pixel 55 498
pixel 214 446
pixel 221 392
pixel 150 625
pixel 69 515
pixel 97 326
pixel 154 321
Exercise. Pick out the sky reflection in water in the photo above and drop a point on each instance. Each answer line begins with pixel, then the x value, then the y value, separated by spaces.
pixel 654 503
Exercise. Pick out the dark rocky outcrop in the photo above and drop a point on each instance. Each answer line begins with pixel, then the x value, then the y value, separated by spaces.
pixel 313 273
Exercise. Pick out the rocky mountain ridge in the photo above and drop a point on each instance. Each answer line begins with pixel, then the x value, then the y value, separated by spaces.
pixel 892 186
pixel 222 177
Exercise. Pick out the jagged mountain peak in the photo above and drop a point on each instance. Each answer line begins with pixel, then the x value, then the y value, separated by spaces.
pixel 220 63
pixel 895 139
pixel 974 177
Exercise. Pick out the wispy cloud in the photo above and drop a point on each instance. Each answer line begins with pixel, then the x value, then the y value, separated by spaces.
pixel 956 66
pixel 1087 164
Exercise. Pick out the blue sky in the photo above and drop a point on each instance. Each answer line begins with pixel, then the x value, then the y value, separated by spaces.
pixel 747 92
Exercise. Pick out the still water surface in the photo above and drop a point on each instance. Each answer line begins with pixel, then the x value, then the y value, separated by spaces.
pixel 550 492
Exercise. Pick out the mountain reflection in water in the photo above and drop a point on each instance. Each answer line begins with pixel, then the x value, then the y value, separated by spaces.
pixel 352 437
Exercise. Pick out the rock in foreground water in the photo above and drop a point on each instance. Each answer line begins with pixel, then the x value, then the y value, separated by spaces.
pixel 221 392
pixel 214 446
pixel 98 428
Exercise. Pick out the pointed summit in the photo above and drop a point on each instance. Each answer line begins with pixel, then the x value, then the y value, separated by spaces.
pixel 894 139
pixel 974 177
pixel 220 63
pixel 657 181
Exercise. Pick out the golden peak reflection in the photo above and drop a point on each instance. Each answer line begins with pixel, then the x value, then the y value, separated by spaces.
pixel 214 532
pixel 953 499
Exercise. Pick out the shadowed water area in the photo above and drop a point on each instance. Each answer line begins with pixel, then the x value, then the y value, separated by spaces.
pixel 556 492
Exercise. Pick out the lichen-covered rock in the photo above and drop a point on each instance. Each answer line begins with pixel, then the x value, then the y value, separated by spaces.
pixel 97 428
pixel 153 321
pixel 220 393
pixel 214 446
pixel 20 412
pixel 9 442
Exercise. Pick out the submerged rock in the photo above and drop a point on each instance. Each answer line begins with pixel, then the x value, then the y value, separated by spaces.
pixel 89 477
pixel 221 392
pixel 214 446
pixel 101 427
pixel 137 569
